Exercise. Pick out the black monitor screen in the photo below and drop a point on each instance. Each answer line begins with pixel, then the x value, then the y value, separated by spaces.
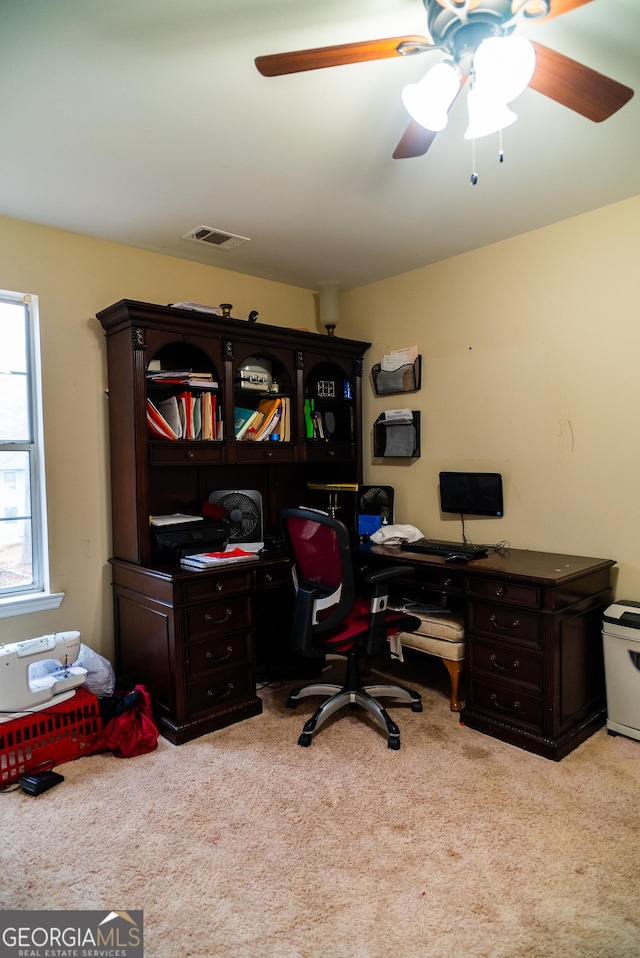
pixel 471 493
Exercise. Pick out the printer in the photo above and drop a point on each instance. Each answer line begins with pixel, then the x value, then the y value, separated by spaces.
pixel 171 543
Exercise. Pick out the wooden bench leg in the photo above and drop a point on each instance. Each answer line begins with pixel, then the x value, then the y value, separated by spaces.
pixel 455 671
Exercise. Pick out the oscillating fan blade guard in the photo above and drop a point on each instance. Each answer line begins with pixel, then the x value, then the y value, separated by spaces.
pixel 243 512
pixel 576 86
pixel 298 61
pixel 376 501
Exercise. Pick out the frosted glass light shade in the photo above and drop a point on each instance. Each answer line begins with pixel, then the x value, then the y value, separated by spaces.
pixel 428 101
pixel 487 115
pixel 503 66
pixel 329 301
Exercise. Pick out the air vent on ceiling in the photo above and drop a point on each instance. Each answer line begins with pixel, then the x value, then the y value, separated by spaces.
pixel 218 238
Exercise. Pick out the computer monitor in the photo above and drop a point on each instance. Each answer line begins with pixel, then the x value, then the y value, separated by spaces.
pixel 471 493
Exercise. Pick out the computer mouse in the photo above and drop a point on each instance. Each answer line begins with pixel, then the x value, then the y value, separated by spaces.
pixel 456 557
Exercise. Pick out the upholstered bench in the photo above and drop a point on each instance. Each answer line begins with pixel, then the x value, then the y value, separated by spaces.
pixel 442 636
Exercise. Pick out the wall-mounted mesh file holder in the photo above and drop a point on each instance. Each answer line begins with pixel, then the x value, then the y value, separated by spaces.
pixel 397 438
pixel 404 379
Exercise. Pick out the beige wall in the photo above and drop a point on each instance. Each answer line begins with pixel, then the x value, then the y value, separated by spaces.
pixel 531 368
pixel 531 352
pixel 74 277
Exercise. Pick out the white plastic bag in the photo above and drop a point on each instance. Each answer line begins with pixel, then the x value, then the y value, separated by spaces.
pixel 101 678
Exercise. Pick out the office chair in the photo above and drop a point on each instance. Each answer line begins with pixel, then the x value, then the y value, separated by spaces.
pixel 331 617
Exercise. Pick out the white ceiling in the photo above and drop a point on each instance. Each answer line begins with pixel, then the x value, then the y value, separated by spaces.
pixel 139 120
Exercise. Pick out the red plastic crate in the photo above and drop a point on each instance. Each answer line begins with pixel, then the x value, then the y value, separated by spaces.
pixel 58 733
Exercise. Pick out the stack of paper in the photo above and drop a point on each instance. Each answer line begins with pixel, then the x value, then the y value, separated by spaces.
pixel 211 560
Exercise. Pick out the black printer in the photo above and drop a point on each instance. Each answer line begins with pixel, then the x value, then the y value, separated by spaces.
pixel 171 542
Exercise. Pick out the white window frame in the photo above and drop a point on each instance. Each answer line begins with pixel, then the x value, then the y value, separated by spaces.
pixel 39 598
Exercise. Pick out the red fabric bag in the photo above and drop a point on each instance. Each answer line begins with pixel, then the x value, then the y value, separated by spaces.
pixel 132 729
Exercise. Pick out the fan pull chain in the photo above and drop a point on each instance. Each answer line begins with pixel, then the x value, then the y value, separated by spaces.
pixel 500 150
pixel 474 175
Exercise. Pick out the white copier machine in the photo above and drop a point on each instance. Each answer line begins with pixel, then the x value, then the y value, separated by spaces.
pixel 621 642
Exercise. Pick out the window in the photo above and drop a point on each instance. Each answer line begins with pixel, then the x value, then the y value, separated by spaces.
pixel 24 567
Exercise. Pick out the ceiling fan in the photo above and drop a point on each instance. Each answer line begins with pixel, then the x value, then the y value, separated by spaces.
pixel 457 28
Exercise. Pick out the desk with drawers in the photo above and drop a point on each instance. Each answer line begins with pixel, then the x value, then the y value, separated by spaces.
pixel 190 637
pixel 533 624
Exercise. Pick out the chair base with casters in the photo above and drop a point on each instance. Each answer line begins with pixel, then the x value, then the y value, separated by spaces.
pixel 354 694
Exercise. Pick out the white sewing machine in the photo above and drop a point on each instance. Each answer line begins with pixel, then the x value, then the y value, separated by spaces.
pixel 19 692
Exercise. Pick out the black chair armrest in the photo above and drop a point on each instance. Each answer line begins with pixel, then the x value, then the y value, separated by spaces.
pixel 389 572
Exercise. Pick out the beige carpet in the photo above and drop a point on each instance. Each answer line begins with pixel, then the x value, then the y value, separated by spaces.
pixel 241 844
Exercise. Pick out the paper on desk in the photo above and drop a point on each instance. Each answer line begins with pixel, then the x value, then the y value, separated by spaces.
pixel 173 519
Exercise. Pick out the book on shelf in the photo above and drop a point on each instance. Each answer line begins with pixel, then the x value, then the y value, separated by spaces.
pixel 156 423
pixel 185 377
pixel 285 420
pixel 185 416
pixel 171 414
pixel 211 560
pixel 245 420
pixel 271 410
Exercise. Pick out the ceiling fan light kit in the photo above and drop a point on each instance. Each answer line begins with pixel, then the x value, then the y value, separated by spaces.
pixel 478 40
pixel 429 100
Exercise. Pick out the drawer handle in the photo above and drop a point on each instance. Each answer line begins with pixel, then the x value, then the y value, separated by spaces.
pixel 505 628
pixel 219 658
pixel 504 668
pixel 189 455
pixel 219 587
pixel 225 618
pixel 268 577
pixel 504 708
pixel 222 695
pixel 500 591
pixel 331 452
pixel 447 582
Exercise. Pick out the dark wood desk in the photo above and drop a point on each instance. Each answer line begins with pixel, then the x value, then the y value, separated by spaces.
pixel 191 638
pixel 533 624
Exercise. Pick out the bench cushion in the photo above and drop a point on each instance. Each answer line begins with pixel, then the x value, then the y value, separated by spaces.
pixel 437 635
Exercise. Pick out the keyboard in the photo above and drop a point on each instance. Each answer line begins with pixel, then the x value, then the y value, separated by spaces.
pixel 435 547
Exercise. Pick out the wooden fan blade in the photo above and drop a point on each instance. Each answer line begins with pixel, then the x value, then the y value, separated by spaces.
pixel 279 64
pixel 416 140
pixel 558 7
pixel 576 86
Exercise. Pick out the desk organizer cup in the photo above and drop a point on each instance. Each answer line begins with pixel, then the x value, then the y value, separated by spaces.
pixel 404 379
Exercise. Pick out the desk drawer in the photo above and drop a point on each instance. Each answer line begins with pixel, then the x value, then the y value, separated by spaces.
pixel 513 592
pixel 329 451
pixel 514 625
pixel 185 453
pixel 265 451
pixel 507 704
pixel 218 618
pixel 218 653
pixel 214 585
pixel 510 664
pixel 222 690
pixel 275 576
